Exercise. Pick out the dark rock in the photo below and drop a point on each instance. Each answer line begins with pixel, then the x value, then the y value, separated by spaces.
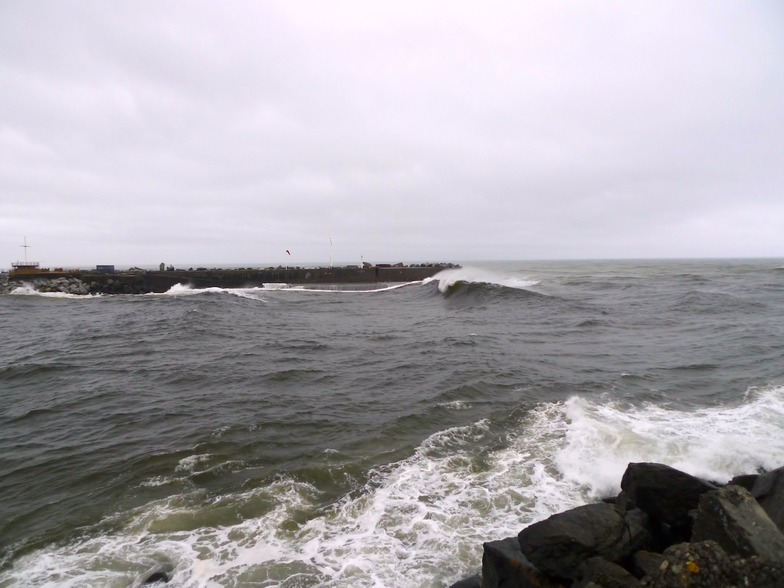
pixel 158 574
pixel 647 563
pixel 597 571
pixel 504 565
pixel 768 489
pixel 666 495
pixel 474 581
pixel 735 520
pixel 747 481
pixel 559 544
pixel 621 501
pixel 157 577
pixel 705 565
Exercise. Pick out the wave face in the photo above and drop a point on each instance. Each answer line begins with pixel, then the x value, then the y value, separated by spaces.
pixel 353 437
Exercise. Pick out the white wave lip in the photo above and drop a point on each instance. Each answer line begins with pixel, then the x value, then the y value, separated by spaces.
pixel 421 521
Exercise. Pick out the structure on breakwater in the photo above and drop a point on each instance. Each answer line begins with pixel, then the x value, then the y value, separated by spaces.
pixel 104 279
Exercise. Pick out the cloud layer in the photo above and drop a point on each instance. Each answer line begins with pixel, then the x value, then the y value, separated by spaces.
pixel 203 132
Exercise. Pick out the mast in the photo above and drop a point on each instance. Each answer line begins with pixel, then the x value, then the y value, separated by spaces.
pixel 24 264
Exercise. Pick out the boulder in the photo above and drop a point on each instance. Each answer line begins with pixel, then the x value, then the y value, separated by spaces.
pixel 559 544
pixel 474 581
pixel 705 564
pixel 599 572
pixel 735 520
pixel 768 489
pixel 504 565
pixel 665 494
pixel 647 563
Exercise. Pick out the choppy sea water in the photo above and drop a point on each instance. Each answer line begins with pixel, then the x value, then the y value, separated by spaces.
pixel 289 437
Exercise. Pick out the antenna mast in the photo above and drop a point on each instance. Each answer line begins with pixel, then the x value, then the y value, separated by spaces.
pixel 25 246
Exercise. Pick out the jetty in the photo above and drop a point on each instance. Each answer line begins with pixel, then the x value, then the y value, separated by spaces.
pixel 163 280
pixel 105 279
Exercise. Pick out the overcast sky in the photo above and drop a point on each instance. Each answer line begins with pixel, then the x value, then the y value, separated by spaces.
pixel 203 132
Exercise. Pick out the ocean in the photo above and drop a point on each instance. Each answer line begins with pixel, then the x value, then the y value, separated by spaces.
pixel 368 437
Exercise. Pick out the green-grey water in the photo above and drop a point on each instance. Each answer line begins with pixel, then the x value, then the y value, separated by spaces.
pixel 290 437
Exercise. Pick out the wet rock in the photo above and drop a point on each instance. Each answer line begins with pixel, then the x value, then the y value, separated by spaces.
pixel 768 489
pixel 666 495
pixel 735 520
pixel 559 544
pixel 504 565
pixel 474 581
pixel 160 574
pixel 597 571
pixel 734 542
pixel 746 480
pixel 647 563
pixel 706 565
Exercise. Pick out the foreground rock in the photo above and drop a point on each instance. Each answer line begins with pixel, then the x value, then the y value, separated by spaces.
pixel 706 564
pixel 666 529
pixel 735 520
pixel 559 545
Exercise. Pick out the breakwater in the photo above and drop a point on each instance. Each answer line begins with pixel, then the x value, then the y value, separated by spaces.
pixel 148 281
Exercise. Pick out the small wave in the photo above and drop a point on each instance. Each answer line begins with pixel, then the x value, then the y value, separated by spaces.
pixel 587 323
pixel 455 405
pixel 188 290
pixel 705 302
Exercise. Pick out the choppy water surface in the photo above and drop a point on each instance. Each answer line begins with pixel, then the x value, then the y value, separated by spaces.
pixel 289 437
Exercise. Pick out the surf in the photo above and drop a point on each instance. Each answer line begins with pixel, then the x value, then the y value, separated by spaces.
pixel 421 520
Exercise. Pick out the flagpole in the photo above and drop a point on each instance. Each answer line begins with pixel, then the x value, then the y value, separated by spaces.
pixel 330 252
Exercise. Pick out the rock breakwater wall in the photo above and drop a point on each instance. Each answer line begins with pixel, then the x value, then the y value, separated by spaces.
pixel 142 282
pixel 665 529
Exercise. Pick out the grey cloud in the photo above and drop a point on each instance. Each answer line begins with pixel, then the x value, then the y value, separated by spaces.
pixel 229 132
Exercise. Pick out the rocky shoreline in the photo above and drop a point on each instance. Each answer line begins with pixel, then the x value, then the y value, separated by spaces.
pixel 665 529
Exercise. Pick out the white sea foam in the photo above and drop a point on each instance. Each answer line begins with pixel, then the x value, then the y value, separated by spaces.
pixel 29 290
pixel 343 289
pixel 450 277
pixel 188 464
pixel 421 521
pixel 714 443
pixel 456 405
pixel 259 292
